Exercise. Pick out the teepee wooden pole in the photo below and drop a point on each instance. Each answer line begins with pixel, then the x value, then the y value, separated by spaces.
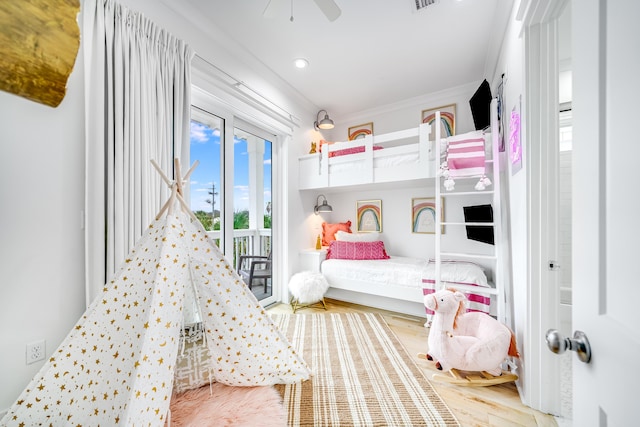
pixel 163 209
pixel 162 174
pixel 178 175
pixel 169 183
pixel 188 174
pixel 184 180
pixel 180 192
pixel 172 199
pixel 185 208
pixel 177 188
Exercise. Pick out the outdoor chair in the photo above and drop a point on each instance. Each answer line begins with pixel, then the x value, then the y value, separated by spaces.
pixel 254 268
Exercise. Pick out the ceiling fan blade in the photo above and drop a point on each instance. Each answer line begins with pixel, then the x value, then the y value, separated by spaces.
pixel 329 8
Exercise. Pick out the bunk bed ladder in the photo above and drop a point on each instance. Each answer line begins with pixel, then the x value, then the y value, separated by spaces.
pixel 499 258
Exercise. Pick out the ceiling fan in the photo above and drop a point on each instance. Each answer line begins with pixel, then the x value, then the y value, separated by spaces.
pixel 328 7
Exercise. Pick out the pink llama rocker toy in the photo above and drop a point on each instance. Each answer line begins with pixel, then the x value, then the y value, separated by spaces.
pixel 473 341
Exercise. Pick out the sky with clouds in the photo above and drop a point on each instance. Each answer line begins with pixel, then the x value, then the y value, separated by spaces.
pixel 205 147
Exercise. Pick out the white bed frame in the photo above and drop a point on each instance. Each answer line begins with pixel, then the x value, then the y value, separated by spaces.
pixel 393 297
pixel 397 297
pixel 314 169
pixel 314 173
pixel 390 297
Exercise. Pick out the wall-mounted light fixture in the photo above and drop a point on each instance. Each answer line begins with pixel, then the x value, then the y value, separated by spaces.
pixel 325 123
pixel 324 207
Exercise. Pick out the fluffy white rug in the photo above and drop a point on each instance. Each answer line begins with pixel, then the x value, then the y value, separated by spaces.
pixel 228 406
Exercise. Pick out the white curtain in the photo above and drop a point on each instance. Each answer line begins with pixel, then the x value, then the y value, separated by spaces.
pixel 137 101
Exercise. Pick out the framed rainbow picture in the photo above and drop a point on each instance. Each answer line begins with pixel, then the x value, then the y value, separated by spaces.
pixel 447 120
pixel 368 216
pixel 423 215
pixel 360 131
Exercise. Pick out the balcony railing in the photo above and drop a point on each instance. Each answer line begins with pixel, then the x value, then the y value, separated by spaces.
pixel 247 242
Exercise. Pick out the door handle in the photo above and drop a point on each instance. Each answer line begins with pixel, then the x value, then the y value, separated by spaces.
pixel 579 343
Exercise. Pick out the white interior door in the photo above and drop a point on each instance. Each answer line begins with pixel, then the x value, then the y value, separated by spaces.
pixel 606 228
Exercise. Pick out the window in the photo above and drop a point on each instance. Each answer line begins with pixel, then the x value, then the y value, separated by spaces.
pixel 207 131
pixel 233 175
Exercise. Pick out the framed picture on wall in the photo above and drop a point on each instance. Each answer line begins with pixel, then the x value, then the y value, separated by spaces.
pixel 447 120
pixel 360 131
pixel 423 215
pixel 368 216
pixel 515 144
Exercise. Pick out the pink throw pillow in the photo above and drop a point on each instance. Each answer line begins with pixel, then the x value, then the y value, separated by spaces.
pixel 357 250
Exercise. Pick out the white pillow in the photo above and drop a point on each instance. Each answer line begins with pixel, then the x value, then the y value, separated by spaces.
pixel 357 237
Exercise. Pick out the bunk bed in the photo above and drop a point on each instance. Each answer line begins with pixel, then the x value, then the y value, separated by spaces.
pixel 400 283
pixel 397 156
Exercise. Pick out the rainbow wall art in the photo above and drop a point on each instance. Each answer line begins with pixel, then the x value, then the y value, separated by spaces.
pixel 369 216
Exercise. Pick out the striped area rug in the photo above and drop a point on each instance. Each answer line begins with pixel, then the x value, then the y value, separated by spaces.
pixel 362 375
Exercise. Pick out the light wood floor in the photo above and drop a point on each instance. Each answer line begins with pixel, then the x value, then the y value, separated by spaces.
pixel 493 406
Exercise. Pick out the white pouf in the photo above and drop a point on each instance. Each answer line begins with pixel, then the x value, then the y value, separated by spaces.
pixel 307 287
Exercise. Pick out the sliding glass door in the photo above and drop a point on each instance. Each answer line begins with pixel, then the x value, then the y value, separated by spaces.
pixel 253 208
pixel 207 132
pixel 234 175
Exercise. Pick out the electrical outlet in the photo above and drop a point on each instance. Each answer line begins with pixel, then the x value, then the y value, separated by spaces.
pixel 36 351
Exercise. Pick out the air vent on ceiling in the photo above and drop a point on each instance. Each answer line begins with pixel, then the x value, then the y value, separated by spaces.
pixel 422 4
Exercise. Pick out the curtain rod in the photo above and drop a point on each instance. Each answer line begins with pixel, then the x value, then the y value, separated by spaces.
pixel 239 83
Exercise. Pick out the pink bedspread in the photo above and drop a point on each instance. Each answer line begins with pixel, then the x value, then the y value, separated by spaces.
pixel 352 150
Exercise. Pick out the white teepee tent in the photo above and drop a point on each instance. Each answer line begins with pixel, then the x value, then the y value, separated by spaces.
pixel 116 366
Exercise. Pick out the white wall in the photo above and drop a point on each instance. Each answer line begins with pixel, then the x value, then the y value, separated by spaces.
pixel 396 220
pixel 407 114
pixel 511 64
pixel 41 240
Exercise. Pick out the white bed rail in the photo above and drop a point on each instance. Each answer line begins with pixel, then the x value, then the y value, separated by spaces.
pixel 405 155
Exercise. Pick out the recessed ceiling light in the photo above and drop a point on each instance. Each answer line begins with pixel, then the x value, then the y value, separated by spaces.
pixel 300 63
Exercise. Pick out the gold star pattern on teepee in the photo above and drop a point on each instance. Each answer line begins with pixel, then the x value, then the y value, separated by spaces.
pixel 116 366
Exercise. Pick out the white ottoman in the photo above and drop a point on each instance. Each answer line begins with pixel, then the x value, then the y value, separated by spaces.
pixel 307 288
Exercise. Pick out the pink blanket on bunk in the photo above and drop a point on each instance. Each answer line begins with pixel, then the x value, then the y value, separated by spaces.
pixel 465 157
pixel 352 150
